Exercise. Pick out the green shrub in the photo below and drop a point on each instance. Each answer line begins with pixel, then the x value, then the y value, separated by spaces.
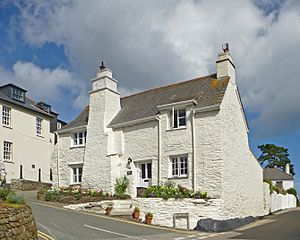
pixel 121 186
pixel 4 192
pixel 51 196
pixel 292 191
pixel 14 198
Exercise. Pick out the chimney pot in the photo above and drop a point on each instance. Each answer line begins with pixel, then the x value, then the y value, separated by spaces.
pixel 225 47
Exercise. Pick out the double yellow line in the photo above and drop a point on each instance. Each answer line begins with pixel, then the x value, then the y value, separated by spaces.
pixel 44 236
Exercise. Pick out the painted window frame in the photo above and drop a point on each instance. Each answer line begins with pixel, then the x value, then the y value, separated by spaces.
pixel 18 94
pixel 79 139
pixel 179 167
pixel 39 126
pixel 7 151
pixel 76 174
pixel 178 115
pixel 6 116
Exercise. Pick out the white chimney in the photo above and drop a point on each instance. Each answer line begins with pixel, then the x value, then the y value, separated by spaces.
pixel 225 66
pixel 287 168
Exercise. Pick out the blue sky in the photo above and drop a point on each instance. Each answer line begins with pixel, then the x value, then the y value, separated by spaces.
pixel 53 49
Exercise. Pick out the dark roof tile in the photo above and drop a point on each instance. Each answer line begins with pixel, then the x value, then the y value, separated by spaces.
pixel 276 174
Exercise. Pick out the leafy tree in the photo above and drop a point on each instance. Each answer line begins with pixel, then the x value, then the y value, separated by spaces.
pixel 275 156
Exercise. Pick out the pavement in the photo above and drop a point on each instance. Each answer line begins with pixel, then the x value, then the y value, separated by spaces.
pixel 55 222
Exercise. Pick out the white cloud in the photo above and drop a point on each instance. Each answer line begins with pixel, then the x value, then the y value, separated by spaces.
pixel 44 84
pixel 149 43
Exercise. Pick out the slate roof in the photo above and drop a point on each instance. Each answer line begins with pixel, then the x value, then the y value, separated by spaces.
pixel 80 120
pixel 276 174
pixel 206 91
pixel 28 104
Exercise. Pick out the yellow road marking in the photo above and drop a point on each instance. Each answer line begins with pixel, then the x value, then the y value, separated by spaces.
pixel 45 236
pixel 117 219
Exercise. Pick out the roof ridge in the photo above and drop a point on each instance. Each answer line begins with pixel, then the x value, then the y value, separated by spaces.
pixel 169 85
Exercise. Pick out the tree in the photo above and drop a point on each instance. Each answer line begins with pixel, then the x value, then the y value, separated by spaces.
pixel 275 156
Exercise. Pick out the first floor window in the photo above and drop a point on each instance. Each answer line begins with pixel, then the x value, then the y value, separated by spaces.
pixel 7 151
pixel 79 139
pixel 179 118
pixel 39 126
pixel 6 116
pixel 76 175
pixel 179 166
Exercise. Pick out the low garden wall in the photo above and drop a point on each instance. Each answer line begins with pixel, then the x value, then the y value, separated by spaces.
pixel 27 185
pixel 163 210
pixel 17 222
pixel 280 202
pixel 274 202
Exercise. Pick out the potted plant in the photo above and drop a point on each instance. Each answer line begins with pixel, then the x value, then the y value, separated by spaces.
pixel 108 209
pixel 136 213
pixel 149 217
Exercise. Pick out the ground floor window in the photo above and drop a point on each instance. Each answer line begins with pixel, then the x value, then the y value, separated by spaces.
pixel 179 166
pixel 7 151
pixel 76 174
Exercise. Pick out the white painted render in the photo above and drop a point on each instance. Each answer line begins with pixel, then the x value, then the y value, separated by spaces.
pixel 215 141
pixel 28 147
pixel 286 184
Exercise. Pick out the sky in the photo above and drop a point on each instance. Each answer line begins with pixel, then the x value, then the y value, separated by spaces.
pixel 53 48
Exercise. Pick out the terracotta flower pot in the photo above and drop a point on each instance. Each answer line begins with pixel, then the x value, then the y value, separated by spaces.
pixel 148 219
pixel 108 211
pixel 136 214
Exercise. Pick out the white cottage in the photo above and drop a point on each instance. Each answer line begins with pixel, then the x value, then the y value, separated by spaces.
pixel 193 133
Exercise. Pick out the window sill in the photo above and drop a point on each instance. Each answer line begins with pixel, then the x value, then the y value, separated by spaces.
pixel 79 146
pixel 180 177
pixel 9 127
pixel 41 136
pixel 174 129
pixel 75 184
pixel 7 161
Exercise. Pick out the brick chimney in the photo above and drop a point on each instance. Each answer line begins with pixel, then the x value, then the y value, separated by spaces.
pixel 225 66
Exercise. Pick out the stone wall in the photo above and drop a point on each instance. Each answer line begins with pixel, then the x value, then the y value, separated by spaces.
pixel 17 223
pixel 163 211
pixel 27 185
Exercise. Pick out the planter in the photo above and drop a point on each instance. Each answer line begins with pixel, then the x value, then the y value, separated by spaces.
pixel 148 219
pixel 136 215
pixel 108 211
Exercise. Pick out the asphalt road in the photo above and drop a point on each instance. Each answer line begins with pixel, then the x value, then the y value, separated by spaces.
pixel 66 224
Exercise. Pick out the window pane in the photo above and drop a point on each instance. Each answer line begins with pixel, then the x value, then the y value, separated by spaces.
pixel 80 174
pixel 181 112
pixel 182 121
pixel 143 171
pixel 149 170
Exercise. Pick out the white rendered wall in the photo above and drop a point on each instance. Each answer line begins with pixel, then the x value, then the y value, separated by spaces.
pixel 281 202
pixel 63 157
pixel 286 184
pixel 243 176
pixel 208 152
pixel 101 168
pixel 28 148
pixel 163 211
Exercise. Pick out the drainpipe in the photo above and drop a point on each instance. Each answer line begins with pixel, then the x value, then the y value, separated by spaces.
pixel 57 161
pixel 193 151
pixel 159 150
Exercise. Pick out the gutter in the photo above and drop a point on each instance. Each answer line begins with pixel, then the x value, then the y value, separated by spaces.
pixel 133 122
pixel 159 151
pixel 193 151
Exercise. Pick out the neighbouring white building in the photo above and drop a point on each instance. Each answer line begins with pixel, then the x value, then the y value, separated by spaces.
pixel 279 177
pixel 26 135
pixel 194 133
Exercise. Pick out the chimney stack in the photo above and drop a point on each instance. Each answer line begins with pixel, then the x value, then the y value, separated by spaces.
pixel 225 66
pixel 287 168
